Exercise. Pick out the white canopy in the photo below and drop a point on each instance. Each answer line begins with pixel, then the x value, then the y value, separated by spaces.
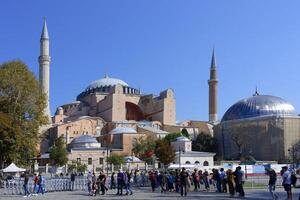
pixel 13 168
pixel 132 159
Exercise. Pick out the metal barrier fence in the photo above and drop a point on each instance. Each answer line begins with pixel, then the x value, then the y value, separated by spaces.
pixel 51 184
pixel 15 187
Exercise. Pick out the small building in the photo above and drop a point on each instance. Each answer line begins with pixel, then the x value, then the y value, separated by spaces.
pixel 185 155
pixel 87 150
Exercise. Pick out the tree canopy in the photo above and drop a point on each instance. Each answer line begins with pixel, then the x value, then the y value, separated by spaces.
pixel 164 152
pixel 171 137
pixel 204 142
pixel 58 152
pixel 21 113
pixel 185 133
pixel 143 148
pixel 115 159
pixel 77 166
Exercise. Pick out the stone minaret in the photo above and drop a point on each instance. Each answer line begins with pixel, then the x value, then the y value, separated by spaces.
pixel 44 62
pixel 213 90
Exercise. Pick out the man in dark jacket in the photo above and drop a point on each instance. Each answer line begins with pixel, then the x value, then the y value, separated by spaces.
pixel 183 181
pixel 239 181
pixel 120 182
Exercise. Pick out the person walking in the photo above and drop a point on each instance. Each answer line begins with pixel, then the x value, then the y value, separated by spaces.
pixel 205 179
pixel 231 182
pixel 89 183
pixel 217 180
pixel 239 181
pixel 42 184
pixel 162 179
pixel 287 181
pixel 183 181
pixel 102 182
pixel 112 181
pixel 36 184
pixel 120 182
pixel 128 181
pixel 223 178
pixel 171 181
pixel 152 178
pixel 95 185
pixel 272 182
pixel 72 181
pixel 196 180
pixel 25 185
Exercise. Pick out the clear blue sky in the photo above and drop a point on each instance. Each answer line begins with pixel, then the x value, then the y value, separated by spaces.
pixel 159 44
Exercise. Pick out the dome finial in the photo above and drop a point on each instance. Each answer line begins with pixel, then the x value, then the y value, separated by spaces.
pixel 106 76
pixel 256 92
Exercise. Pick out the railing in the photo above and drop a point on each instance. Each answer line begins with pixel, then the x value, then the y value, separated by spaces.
pixel 14 187
pixel 51 185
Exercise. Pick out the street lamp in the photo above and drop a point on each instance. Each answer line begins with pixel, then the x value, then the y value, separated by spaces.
pixel 179 158
pixel 107 150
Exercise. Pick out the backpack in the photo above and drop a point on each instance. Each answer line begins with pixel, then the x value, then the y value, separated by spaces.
pixel 294 179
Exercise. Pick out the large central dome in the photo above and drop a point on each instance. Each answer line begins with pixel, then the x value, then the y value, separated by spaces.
pixel 259 105
pixel 105 82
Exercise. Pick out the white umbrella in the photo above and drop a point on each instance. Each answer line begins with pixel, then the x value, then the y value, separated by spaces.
pixel 13 168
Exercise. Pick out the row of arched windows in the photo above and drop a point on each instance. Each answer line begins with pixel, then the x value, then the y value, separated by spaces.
pixel 205 163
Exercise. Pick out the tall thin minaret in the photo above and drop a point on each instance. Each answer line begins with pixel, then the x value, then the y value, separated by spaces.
pixel 213 90
pixel 44 62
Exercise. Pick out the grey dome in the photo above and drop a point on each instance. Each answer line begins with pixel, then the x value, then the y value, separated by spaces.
pixel 259 105
pixel 84 142
pixel 105 82
pixel 84 139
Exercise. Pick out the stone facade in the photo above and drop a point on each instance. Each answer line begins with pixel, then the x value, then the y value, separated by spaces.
pixel 264 138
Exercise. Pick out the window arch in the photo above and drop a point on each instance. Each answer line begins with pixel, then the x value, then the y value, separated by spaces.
pixel 205 163
pixel 197 162
pixel 187 162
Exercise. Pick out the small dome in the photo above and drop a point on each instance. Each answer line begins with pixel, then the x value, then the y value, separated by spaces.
pixel 84 139
pixel 105 82
pixel 119 130
pixel 84 142
pixel 182 139
pixel 259 105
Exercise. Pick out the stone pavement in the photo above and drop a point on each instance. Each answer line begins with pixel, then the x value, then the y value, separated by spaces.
pixel 145 193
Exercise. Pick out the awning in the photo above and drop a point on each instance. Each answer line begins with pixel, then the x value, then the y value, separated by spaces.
pixel 13 168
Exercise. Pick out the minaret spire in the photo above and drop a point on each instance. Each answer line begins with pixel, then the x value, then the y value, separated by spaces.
pixel 44 69
pixel 45 34
pixel 213 59
pixel 213 83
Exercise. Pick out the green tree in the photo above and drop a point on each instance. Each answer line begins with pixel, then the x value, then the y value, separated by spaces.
pixel 204 142
pixel 77 166
pixel 21 108
pixel 171 137
pixel 185 133
pixel 143 148
pixel 58 152
pixel 115 159
pixel 164 152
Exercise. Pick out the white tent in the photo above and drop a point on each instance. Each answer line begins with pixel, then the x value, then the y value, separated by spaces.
pixel 13 168
pixel 132 159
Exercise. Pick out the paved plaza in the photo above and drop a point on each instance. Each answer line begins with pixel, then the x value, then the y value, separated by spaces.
pixel 145 193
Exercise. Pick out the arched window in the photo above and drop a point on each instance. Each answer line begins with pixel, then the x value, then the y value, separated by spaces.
pixel 205 163
pixel 197 162
pixel 187 162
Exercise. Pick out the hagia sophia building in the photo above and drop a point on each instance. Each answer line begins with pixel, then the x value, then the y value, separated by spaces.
pixel 109 115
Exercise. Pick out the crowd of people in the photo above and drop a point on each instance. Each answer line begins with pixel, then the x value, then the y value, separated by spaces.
pixel 119 181
pixel 39 185
pixel 180 181
pixel 184 181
